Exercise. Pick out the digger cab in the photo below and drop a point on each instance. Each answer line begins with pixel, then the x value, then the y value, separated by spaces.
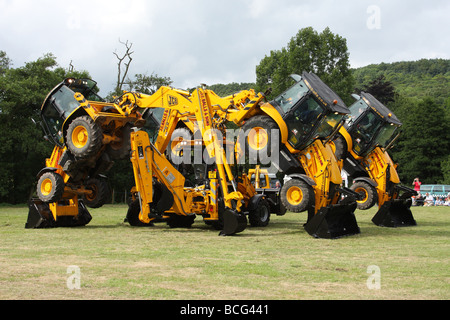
pixel 310 109
pixel 372 129
pixel 60 103
pixel 371 124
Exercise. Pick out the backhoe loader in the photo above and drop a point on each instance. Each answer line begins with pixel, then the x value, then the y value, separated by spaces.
pixel 88 134
pixel 291 133
pixel 306 116
pixel 363 143
pixel 161 193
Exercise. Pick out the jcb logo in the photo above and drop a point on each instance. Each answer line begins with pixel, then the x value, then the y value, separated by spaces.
pixel 173 101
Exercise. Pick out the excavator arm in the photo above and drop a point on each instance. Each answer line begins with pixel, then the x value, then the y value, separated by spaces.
pixel 148 159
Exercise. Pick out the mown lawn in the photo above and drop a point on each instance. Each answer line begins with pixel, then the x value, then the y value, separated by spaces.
pixel 279 262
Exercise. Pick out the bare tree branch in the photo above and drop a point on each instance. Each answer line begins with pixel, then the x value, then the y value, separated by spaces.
pixel 127 55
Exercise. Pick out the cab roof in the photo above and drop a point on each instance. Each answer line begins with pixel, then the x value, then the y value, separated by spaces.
pixel 380 108
pixel 324 93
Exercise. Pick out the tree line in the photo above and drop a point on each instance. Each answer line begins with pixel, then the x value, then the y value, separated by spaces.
pixel 417 92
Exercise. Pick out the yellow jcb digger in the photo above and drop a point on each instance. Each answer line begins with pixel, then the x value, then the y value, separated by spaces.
pixel 161 190
pixel 363 143
pixel 88 134
pixel 291 133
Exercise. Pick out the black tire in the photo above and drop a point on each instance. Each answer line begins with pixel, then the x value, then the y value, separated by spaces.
pixel 260 216
pixel 99 195
pixel 84 137
pixel 121 150
pixel 255 128
pixel 50 187
pixel 368 192
pixel 340 147
pixel 296 195
pixel 132 217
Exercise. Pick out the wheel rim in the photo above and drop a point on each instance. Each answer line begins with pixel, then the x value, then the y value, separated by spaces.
pixel 46 187
pixel 79 137
pixel 365 194
pixel 294 195
pixel 257 138
pixel 91 196
pixel 264 213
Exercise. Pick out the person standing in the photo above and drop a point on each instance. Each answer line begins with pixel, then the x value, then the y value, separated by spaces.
pixel 416 183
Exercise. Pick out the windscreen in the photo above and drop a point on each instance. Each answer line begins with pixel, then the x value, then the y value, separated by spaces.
pixel 291 96
pixel 301 121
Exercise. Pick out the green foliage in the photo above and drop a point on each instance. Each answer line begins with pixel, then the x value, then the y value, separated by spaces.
pixel 228 89
pixel 325 54
pixel 425 142
pixel 381 89
pixel 416 79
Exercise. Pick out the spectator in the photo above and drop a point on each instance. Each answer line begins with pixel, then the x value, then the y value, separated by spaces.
pixel 429 200
pixel 418 200
pixel 447 201
pixel 416 183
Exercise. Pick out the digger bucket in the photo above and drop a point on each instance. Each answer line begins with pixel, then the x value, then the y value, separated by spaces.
pixel 333 221
pixel 395 213
pixel 233 222
pixel 39 215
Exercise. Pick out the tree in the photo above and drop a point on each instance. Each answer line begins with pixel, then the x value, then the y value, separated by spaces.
pixel 147 84
pixel 126 60
pixel 5 62
pixel 423 147
pixel 324 54
pixel 381 89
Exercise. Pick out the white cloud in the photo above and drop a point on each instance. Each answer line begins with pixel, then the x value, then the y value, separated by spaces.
pixel 194 41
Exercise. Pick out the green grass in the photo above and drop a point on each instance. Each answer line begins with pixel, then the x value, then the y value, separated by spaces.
pixel 280 261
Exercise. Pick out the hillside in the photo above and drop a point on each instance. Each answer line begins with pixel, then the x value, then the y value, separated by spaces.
pixel 418 79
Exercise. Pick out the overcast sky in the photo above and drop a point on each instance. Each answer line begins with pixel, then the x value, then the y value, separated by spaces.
pixel 199 41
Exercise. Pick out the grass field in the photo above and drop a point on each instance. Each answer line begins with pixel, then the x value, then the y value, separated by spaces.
pixel 279 262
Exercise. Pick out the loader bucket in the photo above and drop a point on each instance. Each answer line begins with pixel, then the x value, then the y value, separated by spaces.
pixel 39 215
pixel 395 213
pixel 233 222
pixel 333 221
